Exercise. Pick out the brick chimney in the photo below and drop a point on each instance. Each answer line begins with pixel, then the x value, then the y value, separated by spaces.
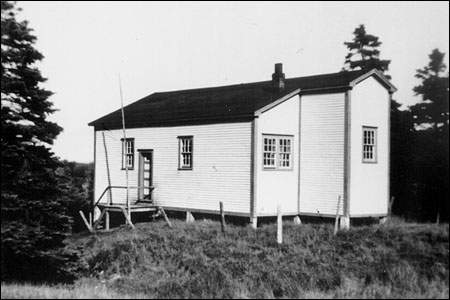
pixel 278 77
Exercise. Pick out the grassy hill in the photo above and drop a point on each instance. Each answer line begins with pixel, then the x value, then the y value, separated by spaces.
pixel 395 260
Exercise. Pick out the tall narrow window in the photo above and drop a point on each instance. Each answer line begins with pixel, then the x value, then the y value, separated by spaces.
pixel 128 153
pixel 269 152
pixel 369 150
pixel 284 153
pixel 185 149
pixel 277 152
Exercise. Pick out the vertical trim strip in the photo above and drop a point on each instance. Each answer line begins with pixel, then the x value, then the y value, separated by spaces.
pixel 95 167
pixel 299 149
pixel 389 153
pixel 140 177
pixel 179 151
pixel 347 153
pixel 253 168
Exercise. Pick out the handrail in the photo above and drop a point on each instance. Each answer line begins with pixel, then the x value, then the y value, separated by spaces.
pixel 118 187
pixel 130 187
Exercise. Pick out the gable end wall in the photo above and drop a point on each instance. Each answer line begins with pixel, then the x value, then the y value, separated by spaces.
pixel 369 182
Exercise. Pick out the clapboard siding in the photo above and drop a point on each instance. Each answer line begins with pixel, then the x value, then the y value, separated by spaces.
pixel 369 181
pixel 221 166
pixel 278 186
pixel 321 152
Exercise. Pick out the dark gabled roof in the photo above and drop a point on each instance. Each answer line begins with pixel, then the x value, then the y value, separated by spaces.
pixel 223 104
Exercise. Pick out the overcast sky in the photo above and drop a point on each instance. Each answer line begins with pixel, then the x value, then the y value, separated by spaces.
pixel 171 46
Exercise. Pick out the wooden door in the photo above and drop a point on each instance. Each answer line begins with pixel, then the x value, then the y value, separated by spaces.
pixel 145 174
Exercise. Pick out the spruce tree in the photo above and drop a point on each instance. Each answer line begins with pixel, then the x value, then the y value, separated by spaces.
pixel 431 118
pixel 432 110
pixel 34 221
pixel 363 52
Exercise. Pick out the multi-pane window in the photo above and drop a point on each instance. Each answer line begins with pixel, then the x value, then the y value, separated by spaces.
pixel 369 150
pixel 284 153
pixel 185 147
pixel 128 153
pixel 277 152
pixel 270 150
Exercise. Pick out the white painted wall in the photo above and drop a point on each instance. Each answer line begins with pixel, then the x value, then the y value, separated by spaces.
pixel 278 186
pixel 222 159
pixel 369 181
pixel 221 169
pixel 321 152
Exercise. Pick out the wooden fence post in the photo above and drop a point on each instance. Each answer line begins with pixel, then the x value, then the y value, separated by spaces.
pixel 383 220
pixel 88 225
pixel 279 225
pixel 189 217
pixel 107 220
pixel 254 222
pixel 336 221
pixel 162 211
pixel 391 203
pixel 222 217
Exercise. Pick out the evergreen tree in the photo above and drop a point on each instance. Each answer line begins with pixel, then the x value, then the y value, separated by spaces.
pixel 402 184
pixel 363 52
pixel 77 181
pixel 34 221
pixel 432 111
pixel 431 118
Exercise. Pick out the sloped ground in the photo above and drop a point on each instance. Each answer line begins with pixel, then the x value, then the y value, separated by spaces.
pixel 78 291
pixel 396 260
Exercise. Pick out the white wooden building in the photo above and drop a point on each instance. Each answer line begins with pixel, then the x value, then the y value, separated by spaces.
pixel 298 142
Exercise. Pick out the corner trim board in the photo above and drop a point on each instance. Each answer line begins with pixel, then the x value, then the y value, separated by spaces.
pixel 347 153
pixel 389 152
pixel 95 167
pixel 299 150
pixel 253 168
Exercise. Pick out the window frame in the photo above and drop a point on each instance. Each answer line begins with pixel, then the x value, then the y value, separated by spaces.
pixel 278 164
pixel 374 145
pixel 274 166
pixel 125 154
pixel 280 153
pixel 180 153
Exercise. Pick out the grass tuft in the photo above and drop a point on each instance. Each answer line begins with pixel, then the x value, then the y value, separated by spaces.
pixel 394 260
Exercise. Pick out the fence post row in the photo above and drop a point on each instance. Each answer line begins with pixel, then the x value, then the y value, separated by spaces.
pixel 279 225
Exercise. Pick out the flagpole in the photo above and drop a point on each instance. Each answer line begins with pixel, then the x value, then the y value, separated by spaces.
pixel 124 145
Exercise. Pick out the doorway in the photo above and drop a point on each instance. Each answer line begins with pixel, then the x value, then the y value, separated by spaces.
pixel 145 175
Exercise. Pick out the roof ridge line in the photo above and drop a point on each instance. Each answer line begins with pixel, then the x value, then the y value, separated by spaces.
pixel 251 83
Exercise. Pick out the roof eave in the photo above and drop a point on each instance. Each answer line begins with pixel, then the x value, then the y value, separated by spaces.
pixel 379 76
pixel 99 120
pixel 263 109
pixel 178 122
